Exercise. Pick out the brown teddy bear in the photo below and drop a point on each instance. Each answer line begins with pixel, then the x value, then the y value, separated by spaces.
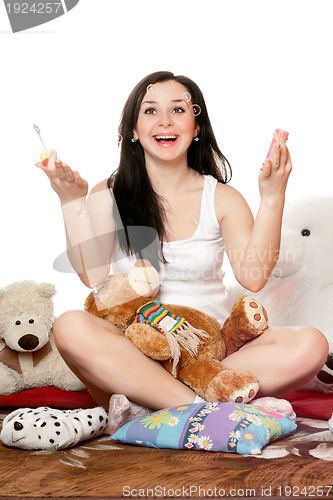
pixel 190 344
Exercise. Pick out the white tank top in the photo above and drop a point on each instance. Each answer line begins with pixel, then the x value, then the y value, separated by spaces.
pixel 192 275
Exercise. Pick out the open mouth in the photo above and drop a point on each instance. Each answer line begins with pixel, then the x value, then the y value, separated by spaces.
pixel 165 140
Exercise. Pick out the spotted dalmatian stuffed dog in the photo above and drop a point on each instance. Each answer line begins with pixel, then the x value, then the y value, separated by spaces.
pixel 49 429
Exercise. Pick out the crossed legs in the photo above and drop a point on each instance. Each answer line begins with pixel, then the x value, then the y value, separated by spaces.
pixel 109 363
pixel 283 359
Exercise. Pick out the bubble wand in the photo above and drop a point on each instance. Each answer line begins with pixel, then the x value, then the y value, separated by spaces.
pixel 44 156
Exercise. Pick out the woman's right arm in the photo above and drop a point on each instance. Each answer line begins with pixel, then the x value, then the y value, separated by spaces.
pixel 90 229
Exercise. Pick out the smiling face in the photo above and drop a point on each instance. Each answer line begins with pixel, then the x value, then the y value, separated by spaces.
pixel 166 123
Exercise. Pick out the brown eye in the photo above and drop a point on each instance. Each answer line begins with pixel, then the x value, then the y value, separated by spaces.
pixel 150 111
pixel 177 110
pixel 305 232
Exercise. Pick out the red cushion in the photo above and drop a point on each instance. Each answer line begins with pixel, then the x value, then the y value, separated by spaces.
pixel 311 404
pixel 48 396
pixel 305 403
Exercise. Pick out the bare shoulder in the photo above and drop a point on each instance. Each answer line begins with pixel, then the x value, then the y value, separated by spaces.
pixel 101 186
pixel 100 198
pixel 227 200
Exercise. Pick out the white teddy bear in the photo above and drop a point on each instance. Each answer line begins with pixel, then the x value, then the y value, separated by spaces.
pixel 28 355
pixel 300 290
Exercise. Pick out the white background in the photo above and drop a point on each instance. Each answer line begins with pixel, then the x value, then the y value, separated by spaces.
pixel 261 64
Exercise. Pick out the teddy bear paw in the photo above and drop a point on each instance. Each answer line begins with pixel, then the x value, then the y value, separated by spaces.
pixel 245 394
pixel 67 380
pixel 231 386
pixel 255 313
pixel 10 381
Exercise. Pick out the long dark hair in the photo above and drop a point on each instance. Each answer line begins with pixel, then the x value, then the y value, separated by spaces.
pixel 137 202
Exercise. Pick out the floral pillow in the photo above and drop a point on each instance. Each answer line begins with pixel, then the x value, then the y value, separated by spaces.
pixel 228 427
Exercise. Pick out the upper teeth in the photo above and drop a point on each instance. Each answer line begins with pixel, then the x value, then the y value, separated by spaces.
pixel 166 136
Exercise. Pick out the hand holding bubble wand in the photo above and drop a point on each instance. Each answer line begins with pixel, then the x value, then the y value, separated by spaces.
pixel 66 182
pixel 44 156
pixel 83 244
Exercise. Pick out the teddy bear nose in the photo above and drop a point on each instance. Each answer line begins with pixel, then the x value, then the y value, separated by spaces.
pixel 28 342
pixel 18 426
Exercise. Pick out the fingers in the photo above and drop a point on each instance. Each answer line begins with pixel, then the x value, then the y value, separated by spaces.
pixel 275 171
pixel 267 168
pixel 281 139
pixel 40 165
pixel 57 170
pixel 69 176
pixel 78 179
pixel 51 162
pixel 276 156
pixel 68 173
pixel 64 171
pixel 49 169
pixel 280 155
pixel 67 183
pixel 285 160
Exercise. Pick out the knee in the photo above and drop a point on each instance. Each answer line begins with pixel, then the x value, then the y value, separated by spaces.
pixel 69 329
pixel 312 350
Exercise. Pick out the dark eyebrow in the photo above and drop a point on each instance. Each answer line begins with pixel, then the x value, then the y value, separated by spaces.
pixel 148 102
pixel 155 102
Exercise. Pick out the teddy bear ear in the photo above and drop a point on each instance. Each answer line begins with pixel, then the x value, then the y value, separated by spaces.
pixel 46 290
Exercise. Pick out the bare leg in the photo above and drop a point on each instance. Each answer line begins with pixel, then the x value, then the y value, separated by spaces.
pixel 108 363
pixel 283 359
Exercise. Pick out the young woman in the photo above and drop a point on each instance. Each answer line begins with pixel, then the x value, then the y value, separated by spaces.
pixel 173 178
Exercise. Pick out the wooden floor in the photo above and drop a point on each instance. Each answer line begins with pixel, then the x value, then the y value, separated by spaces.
pixel 102 468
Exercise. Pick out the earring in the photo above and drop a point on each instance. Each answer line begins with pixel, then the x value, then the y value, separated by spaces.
pixel 196 138
pixel 134 140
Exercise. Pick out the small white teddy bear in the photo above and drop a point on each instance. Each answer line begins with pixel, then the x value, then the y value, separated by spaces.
pixel 28 355
pixel 50 429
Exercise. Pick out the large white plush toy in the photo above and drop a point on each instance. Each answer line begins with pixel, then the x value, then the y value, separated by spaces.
pixel 300 290
pixel 28 355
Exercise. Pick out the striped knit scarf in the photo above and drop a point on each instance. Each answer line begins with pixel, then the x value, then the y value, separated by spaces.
pixel 178 331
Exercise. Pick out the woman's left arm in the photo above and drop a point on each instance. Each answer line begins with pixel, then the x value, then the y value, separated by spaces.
pixel 253 247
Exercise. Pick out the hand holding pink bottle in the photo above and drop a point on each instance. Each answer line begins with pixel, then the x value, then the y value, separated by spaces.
pixel 278 131
pixel 270 151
